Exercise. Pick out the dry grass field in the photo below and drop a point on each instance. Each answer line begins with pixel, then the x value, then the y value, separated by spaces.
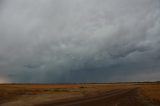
pixel 34 94
pixel 151 91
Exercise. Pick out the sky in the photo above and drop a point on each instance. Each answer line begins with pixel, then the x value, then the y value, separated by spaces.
pixel 79 41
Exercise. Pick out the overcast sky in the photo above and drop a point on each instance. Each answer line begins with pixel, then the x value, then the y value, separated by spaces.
pixel 79 41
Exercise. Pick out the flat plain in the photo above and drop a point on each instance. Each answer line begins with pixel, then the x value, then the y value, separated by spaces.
pixel 114 94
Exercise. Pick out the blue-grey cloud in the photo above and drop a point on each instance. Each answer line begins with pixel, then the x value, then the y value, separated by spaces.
pixel 79 40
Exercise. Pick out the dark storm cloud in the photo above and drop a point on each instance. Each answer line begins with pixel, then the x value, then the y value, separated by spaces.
pixel 79 40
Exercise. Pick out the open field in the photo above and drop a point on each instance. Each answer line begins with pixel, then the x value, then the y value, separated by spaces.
pixel 119 94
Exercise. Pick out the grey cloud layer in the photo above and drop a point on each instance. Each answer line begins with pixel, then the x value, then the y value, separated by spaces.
pixel 79 40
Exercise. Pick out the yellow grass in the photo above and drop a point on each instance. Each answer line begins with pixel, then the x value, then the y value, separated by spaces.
pixel 9 92
pixel 152 91
pixel 14 94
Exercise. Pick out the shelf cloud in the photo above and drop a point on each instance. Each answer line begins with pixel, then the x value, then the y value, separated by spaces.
pixel 79 41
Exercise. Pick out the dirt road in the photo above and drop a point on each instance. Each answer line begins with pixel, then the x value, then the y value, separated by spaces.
pixel 119 97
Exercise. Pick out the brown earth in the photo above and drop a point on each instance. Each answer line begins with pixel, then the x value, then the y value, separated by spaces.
pixel 119 97
pixel 119 94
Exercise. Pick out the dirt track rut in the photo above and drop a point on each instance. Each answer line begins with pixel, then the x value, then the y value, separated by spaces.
pixel 121 97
